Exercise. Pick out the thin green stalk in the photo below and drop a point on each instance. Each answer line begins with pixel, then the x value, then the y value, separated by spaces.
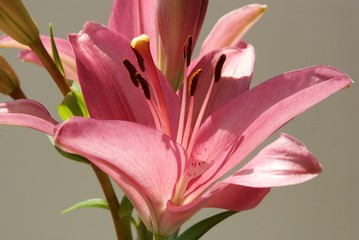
pixel 157 237
pixel 141 230
pixel 121 232
pixel 50 66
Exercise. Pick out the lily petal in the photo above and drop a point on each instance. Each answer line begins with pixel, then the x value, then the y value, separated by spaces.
pixel 284 162
pixel 222 195
pixel 99 53
pixel 235 197
pixel 236 77
pixel 239 127
pixel 63 46
pixel 27 113
pixel 117 147
pixel 230 29
pixel 134 18
pixel 177 20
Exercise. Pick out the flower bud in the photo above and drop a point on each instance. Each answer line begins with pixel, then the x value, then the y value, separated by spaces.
pixel 16 22
pixel 9 81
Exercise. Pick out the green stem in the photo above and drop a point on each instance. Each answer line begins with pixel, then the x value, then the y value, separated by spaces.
pixel 50 66
pixel 158 237
pixel 121 232
pixel 141 231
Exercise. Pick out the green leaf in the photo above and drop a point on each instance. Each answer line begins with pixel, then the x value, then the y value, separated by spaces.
pixel 73 105
pixel 55 53
pixel 200 228
pixel 95 202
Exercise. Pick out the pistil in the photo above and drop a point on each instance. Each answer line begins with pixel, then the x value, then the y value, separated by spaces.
pixel 141 48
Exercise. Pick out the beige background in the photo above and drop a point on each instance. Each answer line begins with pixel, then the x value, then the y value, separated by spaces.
pixel 36 184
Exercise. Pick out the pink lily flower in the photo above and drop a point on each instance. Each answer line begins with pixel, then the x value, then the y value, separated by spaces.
pixel 170 151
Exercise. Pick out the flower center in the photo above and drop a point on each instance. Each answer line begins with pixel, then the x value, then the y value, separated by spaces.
pixel 190 119
pixel 188 129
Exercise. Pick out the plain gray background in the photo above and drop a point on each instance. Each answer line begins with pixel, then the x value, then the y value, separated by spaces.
pixel 36 184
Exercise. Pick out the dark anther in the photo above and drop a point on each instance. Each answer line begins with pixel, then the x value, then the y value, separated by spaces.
pixel 187 50
pixel 140 60
pixel 219 66
pixel 131 71
pixel 144 85
pixel 192 82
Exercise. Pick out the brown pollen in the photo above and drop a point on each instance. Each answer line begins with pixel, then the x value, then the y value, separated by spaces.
pixel 131 71
pixel 192 82
pixel 219 66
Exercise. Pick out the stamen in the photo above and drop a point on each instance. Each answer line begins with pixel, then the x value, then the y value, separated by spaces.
pixel 131 71
pixel 218 68
pixel 140 60
pixel 192 82
pixel 137 79
pixel 144 85
pixel 190 135
pixel 187 50
pixel 216 78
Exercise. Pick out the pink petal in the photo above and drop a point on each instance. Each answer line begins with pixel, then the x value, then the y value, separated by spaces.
pixel 8 42
pixel 177 20
pixel 235 130
pixel 230 29
pixel 134 18
pixel 145 163
pixel 236 76
pixel 222 195
pixel 284 162
pixel 106 86
pixel 63 47
pixel 27 113
pixel 235 197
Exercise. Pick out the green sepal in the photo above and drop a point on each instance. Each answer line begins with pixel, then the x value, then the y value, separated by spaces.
pixel 73 105
pixel 55 53
pixel 94 202
pixel 199 229
pixel 126 208
pixel 74 157
pixel 125 212
pixel 76 87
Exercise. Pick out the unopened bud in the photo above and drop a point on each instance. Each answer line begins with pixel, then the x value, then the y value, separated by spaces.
pixel 9 81
pixel 16 22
